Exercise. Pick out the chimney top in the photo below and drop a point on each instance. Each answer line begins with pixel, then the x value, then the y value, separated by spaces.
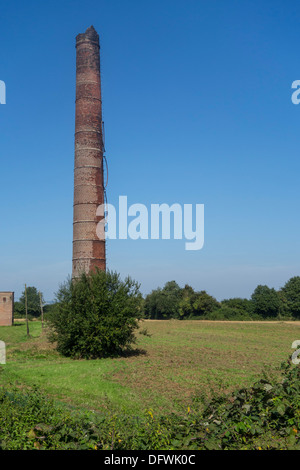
pixel 90 35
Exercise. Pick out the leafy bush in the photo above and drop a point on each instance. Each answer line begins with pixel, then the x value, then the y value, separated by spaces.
pixel 229 313
pixel 32 421
pixel 95 316
pixel 265 416
pixel 244 306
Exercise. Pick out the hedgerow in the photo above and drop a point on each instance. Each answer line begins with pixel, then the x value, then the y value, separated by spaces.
pixel 264 416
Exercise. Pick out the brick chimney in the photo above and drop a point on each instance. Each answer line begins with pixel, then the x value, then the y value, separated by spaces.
pixel 88 250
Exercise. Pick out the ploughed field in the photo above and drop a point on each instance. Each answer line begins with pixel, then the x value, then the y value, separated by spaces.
pixel 172 365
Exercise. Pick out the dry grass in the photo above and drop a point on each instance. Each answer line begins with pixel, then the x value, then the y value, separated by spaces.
pixel 190 357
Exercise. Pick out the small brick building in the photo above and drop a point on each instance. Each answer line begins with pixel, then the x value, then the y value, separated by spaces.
pixel 6 308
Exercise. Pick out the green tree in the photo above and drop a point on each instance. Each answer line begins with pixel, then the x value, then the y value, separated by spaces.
pixel 188 296
pixel 290 295
pixel 19 310
pixel 185 308
pixel 266 301
pixel 151 305
pixel 242 306
pixel 95 316
pixel 33 301
pixel 163 303
pixel 204 303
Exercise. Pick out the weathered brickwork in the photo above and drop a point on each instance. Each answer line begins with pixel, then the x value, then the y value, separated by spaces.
pixel 6 308
pixel 88 250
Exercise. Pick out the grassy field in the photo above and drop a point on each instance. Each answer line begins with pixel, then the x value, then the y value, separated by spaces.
pixel 174 361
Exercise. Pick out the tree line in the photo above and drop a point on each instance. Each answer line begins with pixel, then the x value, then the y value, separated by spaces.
pixel 96 315
pixel 172 301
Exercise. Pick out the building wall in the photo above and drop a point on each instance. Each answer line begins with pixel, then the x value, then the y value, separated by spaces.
pixel 6 308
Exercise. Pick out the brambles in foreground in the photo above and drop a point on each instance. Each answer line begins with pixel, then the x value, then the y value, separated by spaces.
pixel 264 416
pixel 95 315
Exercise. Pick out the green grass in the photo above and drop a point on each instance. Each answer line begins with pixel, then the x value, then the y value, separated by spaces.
pixel 180 360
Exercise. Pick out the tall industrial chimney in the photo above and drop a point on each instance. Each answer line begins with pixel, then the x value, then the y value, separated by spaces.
pixel 88 250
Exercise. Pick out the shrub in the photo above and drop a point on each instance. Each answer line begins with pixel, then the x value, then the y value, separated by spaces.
pixel 244 306
pixel 29 420
pixel 95 315
pixel 228 313
pixel 264 416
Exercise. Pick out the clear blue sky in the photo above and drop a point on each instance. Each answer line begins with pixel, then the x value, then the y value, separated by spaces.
pixel 197 109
